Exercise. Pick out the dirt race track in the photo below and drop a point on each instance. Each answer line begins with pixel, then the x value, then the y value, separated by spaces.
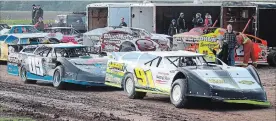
pixel 43 102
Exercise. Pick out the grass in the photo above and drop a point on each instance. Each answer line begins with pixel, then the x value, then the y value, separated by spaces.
pixel 22 22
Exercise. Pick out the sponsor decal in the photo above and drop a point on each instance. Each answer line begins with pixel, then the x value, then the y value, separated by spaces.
pixel 118 36
pixel 116 66
pixel 162 77
pixel 163 73
pixel 246 82
pixel 216 81
pixel 161 82
pixel 111 41
pixel 144 78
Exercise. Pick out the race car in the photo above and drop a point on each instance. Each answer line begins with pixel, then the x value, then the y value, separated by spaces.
pixel 69 34
pixel 126 39
pixel 60 64
pixel 183 74
pixel 205 41
pixel 30 29
pixel 18 41
pixel 3 26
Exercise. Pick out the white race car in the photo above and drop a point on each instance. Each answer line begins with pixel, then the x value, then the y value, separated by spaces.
pixel 183 74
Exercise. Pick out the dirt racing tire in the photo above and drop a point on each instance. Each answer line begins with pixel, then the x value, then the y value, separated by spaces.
pixel 126 49
pixel 178 93
pixel 129 87
pixel 23 76
pixel 271 58
pixel 57 78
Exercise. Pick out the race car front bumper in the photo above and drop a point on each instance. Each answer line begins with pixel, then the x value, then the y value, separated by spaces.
pixel 254 97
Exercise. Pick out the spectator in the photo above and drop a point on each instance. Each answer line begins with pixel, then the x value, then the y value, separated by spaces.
pixel 230 38
pixel 40 25
pixel 208 20
pixel 38 13
pixel 33 14
pixel 123 23
pixel 181 23
pixel 173 28
pixel 198 21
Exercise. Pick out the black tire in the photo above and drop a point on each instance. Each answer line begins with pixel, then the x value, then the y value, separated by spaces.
pixel 23 76
pixel 132 94
pixel 182 99
pixel 271 58
pixel 57 78
pixel 126 49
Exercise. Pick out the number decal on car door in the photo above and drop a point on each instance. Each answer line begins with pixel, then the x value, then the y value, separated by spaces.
pixel 144 78
pixel 35 65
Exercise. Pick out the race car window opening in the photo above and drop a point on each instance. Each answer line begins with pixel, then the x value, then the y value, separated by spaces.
pixel 153 61
pixel 43 51
pixel 71 52
pixel 29 50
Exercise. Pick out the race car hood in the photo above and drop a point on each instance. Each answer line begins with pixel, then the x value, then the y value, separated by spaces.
pixel 89 64
pixel 232 77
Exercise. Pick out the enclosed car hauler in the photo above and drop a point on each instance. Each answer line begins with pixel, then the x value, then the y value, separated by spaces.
pixel 262 15
pixel 153 17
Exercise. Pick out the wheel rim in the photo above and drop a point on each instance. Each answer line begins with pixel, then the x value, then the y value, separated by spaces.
pixel 129 85
pixel 56 78
pixel 176 94
pixel 23 74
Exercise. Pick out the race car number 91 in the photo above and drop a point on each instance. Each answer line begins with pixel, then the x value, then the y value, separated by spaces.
pixel 144 78
pixel 35 65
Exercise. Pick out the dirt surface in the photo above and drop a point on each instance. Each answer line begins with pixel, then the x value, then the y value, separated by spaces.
pixel 41 101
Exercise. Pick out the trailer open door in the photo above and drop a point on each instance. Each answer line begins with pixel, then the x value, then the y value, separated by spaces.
pixel 267 24
pixel 97 15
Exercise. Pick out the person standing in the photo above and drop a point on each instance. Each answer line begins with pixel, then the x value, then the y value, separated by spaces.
pixel 248 49
pixel 181 23
pixel 173 28
pixel 33 14
pixel 38 13
pixel 40 24
pixel 198 21
pixel 230 38
pixel 208 20
pixel 123 23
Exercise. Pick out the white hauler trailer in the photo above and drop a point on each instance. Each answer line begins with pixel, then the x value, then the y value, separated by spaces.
pixel 153 17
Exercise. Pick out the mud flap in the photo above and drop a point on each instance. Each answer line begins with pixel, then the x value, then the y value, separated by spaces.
pixel 12 69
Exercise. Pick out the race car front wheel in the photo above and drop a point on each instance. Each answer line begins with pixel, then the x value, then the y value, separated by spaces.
pixel 23 76
pixel 178 93
pixel 129 87
pixel 57 78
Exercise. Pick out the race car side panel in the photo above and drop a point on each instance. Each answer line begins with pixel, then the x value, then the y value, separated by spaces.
pixel 115 73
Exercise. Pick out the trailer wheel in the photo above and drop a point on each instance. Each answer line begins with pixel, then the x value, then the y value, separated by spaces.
pixel 271 58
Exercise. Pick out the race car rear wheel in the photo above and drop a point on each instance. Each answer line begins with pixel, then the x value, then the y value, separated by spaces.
pixel 23 76
pixel 57 78
pixel 178 93
pixel 271 58
pixel 129 87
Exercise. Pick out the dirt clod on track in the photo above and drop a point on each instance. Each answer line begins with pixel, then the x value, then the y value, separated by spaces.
pixel 43 102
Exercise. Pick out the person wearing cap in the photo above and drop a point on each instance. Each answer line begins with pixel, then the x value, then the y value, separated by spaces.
pixel 198 21
pixel 181 23
pixel 38 13
pixel 33 13
pixel 123 23
pixel 61 23
pixel 173 28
